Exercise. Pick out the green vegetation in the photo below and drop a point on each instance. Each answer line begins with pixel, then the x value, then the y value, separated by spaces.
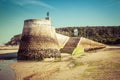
pixel 102 34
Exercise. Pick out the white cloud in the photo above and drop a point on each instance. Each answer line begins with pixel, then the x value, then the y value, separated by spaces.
pixel 32 2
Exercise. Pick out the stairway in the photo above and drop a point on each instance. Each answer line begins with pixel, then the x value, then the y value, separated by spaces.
pixel 70 45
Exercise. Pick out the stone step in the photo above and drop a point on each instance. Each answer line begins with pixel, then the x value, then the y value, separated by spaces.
pixel 70 45
pixel 72 42
pixel 67 50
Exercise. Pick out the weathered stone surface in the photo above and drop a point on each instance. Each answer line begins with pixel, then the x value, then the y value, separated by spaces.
pixel 38 41
pixel 29 54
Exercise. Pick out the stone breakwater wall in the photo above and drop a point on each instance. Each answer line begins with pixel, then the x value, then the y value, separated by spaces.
pixel 38 40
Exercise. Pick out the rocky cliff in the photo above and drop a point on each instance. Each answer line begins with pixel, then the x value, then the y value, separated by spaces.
pixel 15 40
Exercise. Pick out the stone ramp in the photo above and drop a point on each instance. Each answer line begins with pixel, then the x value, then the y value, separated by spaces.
pixel 88 44
pixel 62 39
pixel 70 45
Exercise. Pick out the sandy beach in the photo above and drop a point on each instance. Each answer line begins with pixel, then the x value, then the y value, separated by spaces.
pixel 101 64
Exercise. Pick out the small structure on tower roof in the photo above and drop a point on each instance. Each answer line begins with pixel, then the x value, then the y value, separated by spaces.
pixel 47 18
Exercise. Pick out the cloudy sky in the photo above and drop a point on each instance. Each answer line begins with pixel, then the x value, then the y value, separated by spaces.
pixel 63 13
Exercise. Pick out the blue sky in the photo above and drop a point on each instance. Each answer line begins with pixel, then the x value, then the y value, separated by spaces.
pixel 63 13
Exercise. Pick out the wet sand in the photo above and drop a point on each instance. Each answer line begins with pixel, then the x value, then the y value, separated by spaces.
pixel 8 55
pixel 6 73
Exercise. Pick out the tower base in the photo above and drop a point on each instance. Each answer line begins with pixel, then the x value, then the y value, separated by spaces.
pixel 38 54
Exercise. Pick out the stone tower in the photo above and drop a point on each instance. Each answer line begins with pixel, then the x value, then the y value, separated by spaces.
pixel 38 40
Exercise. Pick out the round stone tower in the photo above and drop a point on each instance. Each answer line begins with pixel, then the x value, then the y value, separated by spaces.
pixel 38 40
